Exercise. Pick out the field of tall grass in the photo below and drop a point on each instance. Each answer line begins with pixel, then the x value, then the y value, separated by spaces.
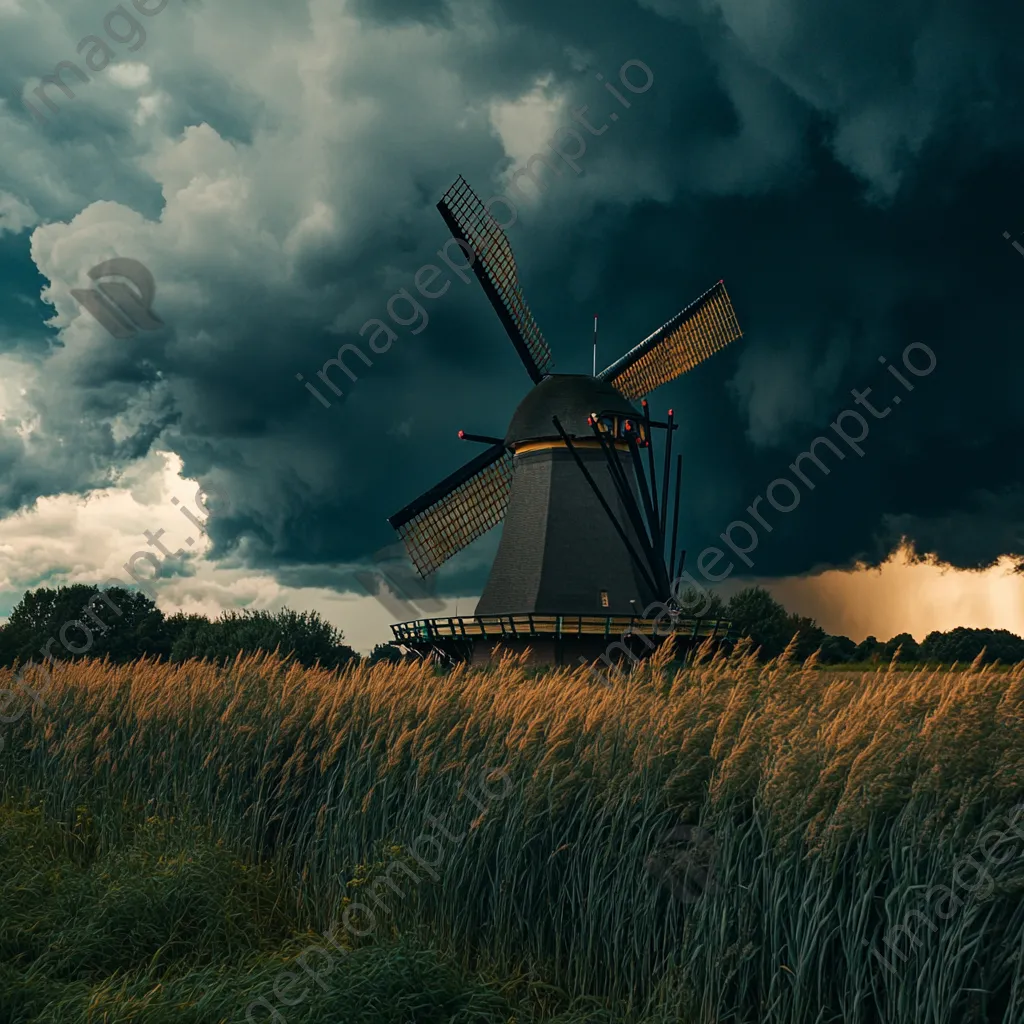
pixel 853 851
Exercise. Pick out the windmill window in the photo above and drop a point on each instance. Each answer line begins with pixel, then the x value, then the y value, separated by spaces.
pixel 621 427
pixel 604 598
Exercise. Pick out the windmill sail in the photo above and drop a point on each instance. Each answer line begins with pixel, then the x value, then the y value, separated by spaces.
pixel 452 514
pixel 495 267
pixel 694 334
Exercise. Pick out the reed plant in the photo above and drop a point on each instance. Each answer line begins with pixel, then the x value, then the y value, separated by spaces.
pixel 836 801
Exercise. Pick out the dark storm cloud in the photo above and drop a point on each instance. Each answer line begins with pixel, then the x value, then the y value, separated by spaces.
pixel 431 12
pixel 849 171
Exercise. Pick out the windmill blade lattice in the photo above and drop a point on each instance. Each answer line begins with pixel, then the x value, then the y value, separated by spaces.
pixel 453 513
pixel 694 334
pixel 495 267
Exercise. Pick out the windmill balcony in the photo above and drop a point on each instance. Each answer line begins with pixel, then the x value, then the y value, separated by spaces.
pixel 557 639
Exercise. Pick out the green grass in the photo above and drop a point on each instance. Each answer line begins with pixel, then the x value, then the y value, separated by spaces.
pixel 837 802
pixel 167 925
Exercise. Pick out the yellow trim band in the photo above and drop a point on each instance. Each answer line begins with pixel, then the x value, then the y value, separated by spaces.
pixel 540 446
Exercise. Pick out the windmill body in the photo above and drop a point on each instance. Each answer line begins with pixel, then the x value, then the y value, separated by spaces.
pixel 559 553
pixel 584 549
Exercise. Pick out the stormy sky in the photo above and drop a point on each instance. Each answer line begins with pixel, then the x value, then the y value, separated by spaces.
pixel 849 169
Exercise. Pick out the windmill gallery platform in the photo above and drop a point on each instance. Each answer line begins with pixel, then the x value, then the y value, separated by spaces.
pixel 587 559
pixel 551 639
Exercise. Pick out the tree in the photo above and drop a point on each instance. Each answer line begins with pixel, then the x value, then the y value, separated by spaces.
pixel 809 636
pixel 304 636
pixel 964 645
pixel 187 633
pixel 83 620
pixel 701 602
pixel 755 613
pixel 909 651
pixel 869 649
pixel 384 652
pixel 837 649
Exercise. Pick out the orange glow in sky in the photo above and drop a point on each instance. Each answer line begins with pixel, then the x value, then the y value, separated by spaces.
pixel 903 596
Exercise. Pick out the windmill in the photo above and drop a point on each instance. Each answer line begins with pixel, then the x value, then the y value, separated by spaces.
pixel 584 552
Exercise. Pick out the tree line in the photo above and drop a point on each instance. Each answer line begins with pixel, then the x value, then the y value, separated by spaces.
pixel 755 613
pixel 124 625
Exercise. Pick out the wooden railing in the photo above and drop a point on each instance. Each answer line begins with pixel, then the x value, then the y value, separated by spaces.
pixel 558 626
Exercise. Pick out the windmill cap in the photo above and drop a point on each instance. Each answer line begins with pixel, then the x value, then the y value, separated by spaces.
pixel 570 397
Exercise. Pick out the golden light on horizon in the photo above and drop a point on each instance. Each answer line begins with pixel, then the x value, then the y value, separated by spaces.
pixel 906 596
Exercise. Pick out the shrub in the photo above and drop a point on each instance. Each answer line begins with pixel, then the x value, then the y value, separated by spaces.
pixel 384 652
